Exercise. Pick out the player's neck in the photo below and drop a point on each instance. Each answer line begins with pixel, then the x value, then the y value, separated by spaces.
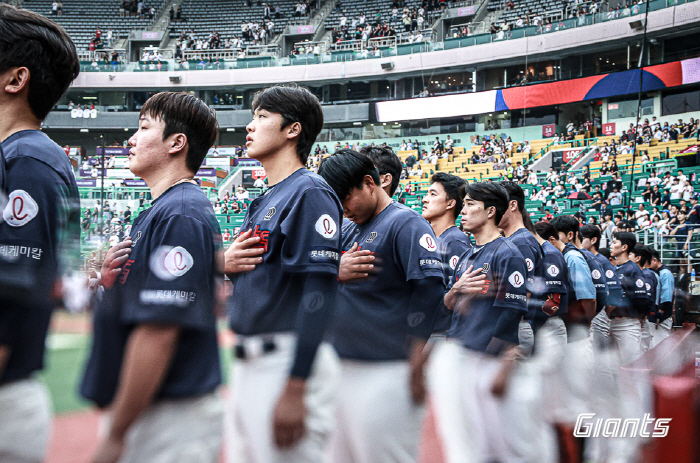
pixel 280 166
pixel 513 227
pixel 14 119
pixel 159 183
pixel 559 245
pixel 442 223
pixel 622 258
pixel 487 233
pixel 382 203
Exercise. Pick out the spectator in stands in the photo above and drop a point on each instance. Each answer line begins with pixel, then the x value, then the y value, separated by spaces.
pixel 242 194
pixel 615 198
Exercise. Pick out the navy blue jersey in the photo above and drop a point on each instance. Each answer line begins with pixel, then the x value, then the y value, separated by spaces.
pixel 451 245
pixel 39 233
pixel 531 251
pixel 613 281
pixel 504 288
pixel 651 284
pixel 169 279
pixel 371 318
pixel 348 229
pixel 298 221
pixel 634 293
pixel 599 279
pixel 551 277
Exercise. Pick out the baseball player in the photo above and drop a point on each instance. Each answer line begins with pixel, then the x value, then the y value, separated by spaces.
pixel 39 226
pixel 441 206
pixel 516 227
pixel 625 325
pixel 550 292
pixel 355 263
pixel 571 385
pixel 382 322
pixel 600 325
pixel 568 228
pixel 489 296
pixel 284 270
pixel 641 255
pixel 661 321
pixel 154 362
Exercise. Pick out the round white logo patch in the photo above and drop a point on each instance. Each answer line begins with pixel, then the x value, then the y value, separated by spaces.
pixel 609 274
pixel 516 279
pixel 169 262
pixel 415 319
pixel 639 283
pixel 326 227
pixel 428 242
pixel 530 264
pixel 596 274
pixel 20 209
pixel 648 286
pixel 453 262
pixel 553 270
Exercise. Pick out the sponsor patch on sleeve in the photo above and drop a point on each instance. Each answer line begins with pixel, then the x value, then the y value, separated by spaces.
pixel 320 254
pixel 428 242
pixel 516 279
pixel 20 209
pixel 326 227
pixel 169 263
pixel 428 263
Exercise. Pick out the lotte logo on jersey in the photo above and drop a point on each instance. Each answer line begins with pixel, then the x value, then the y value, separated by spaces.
pixel 263 235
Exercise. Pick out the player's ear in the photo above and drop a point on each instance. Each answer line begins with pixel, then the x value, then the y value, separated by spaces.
pixel 14 80
pixel 451 204
pixel 293 130
pixel 178 142
pixel 386 181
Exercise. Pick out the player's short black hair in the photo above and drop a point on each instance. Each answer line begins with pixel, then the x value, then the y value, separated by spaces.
pixel 30 40
pixel 455 188
pixel 515 193
pixel 643 253
pixel 566 224
pixel 386 162
pixel 546 230
pixel 491 194
pixel 294 104
pixel 591 231
pixel 655 254
pixel 605 252
pixel 187 114
pixel 345 170
pixel 626 238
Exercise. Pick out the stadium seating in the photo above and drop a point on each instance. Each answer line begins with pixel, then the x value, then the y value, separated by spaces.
pixel 226 17
pixel 353 8
pixel 81 19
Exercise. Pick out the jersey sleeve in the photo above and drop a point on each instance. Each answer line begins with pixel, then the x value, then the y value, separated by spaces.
pixel 38 215
pixel 312 233
pixel 634 287
pixel 417 251
pixel 511 292
pixel 580 278
pixel 179 284
pixel 554 275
